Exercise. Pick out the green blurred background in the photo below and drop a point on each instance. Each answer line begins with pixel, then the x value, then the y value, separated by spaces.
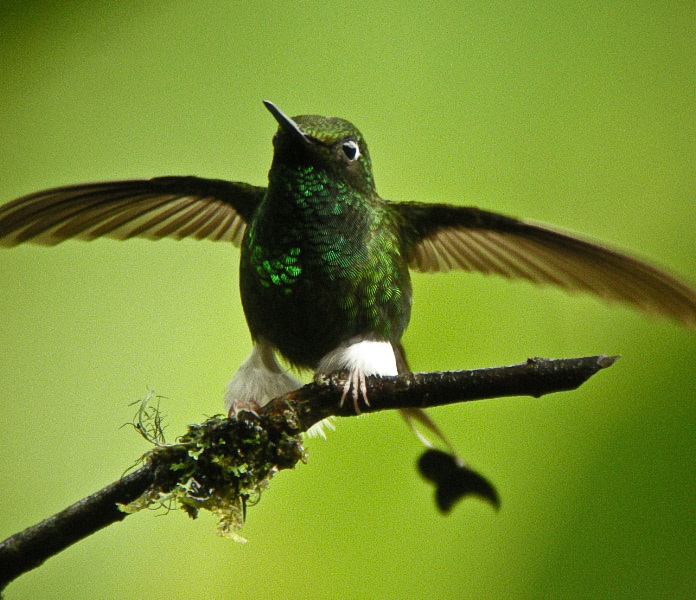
pixel 578 115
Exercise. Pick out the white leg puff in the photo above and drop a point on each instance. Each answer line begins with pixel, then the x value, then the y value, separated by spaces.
pixel 257 381
pixel 360 358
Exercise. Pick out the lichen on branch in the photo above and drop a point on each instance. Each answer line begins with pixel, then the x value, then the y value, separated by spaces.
pixel 220 465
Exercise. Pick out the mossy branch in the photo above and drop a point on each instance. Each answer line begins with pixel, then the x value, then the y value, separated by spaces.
pixel 222 464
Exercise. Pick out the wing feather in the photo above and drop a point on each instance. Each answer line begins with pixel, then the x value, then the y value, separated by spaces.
pixel 438 237
pixel 174 207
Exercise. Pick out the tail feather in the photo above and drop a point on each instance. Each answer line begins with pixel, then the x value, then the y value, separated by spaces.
pixel 413 415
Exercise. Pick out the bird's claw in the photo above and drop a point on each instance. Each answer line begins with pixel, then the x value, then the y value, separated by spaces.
pixel 239 406
pixel 356 385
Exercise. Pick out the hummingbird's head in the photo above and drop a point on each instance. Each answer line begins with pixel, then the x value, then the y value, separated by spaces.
pixel 328 143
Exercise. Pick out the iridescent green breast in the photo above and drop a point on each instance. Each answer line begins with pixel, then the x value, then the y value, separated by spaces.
pixel 322 265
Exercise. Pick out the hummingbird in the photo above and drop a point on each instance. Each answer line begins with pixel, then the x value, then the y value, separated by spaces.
pixel 325 261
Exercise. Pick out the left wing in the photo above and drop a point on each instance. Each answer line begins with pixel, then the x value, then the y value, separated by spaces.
pixel 440 237
pixel 175 207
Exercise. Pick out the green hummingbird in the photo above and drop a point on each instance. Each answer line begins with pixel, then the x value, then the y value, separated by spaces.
pixel 325 261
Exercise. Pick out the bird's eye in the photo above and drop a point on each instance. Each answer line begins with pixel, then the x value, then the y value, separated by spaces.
pixel 351 150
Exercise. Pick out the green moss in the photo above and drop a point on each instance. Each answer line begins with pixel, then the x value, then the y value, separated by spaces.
pixel 222 466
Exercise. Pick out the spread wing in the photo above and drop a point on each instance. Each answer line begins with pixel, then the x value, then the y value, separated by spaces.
pixel 175 207
pixel 439 237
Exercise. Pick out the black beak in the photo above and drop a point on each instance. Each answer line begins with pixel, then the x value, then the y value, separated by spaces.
pixel 286 122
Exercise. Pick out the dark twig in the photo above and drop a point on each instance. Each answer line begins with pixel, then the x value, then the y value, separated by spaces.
pixel 536 377
pixel 285 416
pixel 28 549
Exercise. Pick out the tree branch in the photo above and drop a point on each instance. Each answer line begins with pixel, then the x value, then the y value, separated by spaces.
pixel 222 463
pixel 536 377
pixel 28 549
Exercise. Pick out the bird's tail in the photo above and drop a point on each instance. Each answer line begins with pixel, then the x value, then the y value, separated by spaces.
pixel 417 416
pixel 452 477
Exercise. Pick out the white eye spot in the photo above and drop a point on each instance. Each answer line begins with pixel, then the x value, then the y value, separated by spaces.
pixel 351 150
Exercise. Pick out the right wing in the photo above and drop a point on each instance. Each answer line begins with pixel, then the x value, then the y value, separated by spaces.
pixel 440 237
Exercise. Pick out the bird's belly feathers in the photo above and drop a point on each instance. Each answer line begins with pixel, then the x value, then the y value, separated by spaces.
pixel 306 304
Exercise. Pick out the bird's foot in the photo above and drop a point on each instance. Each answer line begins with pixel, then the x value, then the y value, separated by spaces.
pixel 238 406
pixel 360 358
pixel 356 386
pixel 257 381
